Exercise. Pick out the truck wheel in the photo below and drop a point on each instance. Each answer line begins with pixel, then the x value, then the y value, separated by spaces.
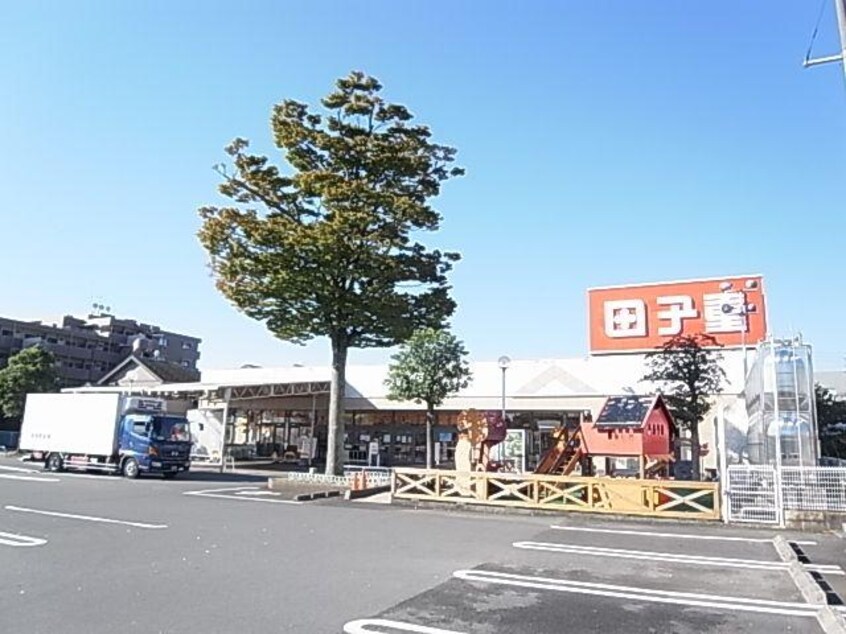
pixel 54 462
pixel 130 468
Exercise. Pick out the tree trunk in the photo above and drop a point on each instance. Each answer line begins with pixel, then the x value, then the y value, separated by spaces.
pixel 430 417
pixel 337 389
pixel 694 452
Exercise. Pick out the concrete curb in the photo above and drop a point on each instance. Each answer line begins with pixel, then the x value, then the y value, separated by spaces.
pixel 784 549
pixel 365 493
pixel 310 497
pixel 831 621
pixel 807 585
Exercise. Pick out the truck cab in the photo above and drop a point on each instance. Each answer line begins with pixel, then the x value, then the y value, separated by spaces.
pixel 153 441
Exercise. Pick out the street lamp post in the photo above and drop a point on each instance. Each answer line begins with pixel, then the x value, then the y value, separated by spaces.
pixel 504 362
pixel 744 310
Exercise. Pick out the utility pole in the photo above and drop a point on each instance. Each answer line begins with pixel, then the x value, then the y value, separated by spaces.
pixel 840 8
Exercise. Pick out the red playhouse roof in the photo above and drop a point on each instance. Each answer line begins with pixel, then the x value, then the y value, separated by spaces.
pixel 626 412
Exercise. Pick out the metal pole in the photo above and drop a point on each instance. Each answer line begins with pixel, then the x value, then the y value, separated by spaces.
pixel 722 462
pixel 778 492
pixel 814 429
pixel 798 409
pixel 743 345
pixel 226 395
pixel 840 5
pixel 840 9
pixel 503 395
pixel 312 443
pixel 776 412
pixel 287 431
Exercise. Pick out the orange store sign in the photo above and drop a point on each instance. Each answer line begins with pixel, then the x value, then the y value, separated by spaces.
pixel 644 316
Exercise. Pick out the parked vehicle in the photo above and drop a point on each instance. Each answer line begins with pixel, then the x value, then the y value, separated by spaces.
pixel 112 433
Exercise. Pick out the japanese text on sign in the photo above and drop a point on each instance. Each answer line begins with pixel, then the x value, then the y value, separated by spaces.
pixel 643 317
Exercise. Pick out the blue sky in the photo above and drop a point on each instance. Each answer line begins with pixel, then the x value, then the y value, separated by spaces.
pixel 605 142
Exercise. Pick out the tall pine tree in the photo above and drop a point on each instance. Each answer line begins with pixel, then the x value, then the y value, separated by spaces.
pixel 328 247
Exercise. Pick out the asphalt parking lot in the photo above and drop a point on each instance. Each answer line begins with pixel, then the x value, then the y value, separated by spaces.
pixel 214 553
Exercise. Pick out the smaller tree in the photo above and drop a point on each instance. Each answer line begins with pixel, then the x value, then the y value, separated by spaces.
pixel 688 372
pixel 31 370
pixel 831 422
pixel 429 368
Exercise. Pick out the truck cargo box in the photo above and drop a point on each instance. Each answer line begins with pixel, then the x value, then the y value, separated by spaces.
pixel 71 423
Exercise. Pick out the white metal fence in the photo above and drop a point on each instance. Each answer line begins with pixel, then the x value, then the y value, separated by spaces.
pixel 376 476
pixel 751 494
pixel 814 488
pixel 762 493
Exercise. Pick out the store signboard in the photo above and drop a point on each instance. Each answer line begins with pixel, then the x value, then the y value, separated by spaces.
pixel 643 317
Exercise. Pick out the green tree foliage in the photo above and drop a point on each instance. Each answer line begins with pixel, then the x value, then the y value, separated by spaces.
pixel 429 368
pixel 29 371
pixel 687 370
pixel 831 422
pixel 329 246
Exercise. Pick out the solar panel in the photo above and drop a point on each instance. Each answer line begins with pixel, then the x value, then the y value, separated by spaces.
pixel 624 411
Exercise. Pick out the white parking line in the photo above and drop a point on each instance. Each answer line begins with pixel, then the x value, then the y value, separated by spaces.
pixel 243 494
pixel 640 594
pixel 103 477
pixel 364 626
pixel 826 569
pixel 204 491
pixel 259 493
pixel 9 476
pixel 698 560
pixel 87 518
pixel 18 469
pixel 50 475
pixel 20 541
pixel 610 531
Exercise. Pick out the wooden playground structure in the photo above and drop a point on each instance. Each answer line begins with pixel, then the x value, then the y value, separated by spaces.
pixel 627 427
pixel 634 427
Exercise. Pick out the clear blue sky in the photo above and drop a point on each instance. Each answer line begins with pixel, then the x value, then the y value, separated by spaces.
pixel 605 142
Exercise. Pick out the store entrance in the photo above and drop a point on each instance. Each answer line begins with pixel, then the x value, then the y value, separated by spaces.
pixel 283 437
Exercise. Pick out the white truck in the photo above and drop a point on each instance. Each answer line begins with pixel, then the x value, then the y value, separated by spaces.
pixel 113 433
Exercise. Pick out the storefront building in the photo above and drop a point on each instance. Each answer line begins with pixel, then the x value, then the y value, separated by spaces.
pixel 625 324
pixel 281 412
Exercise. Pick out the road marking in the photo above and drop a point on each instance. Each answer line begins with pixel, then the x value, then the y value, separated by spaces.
pixel 243 494
pixel 20 541
pixel 641 594
pixel 363 626
pixel 18 469
pixel 610 531
pixel 103 477
pixel 700 560
pixel 204 491
pixel 9 476
pixel 826 569
pixel 87 518
pixel 259 493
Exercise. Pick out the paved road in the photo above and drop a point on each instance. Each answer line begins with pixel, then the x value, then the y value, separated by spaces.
pixel 221 554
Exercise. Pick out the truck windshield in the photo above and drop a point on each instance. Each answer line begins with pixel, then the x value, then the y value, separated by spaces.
pixel 169 428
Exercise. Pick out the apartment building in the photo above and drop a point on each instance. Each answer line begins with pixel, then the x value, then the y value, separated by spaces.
pixel 86 349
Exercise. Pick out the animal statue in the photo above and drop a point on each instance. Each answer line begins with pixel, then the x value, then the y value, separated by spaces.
pixel 477 432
